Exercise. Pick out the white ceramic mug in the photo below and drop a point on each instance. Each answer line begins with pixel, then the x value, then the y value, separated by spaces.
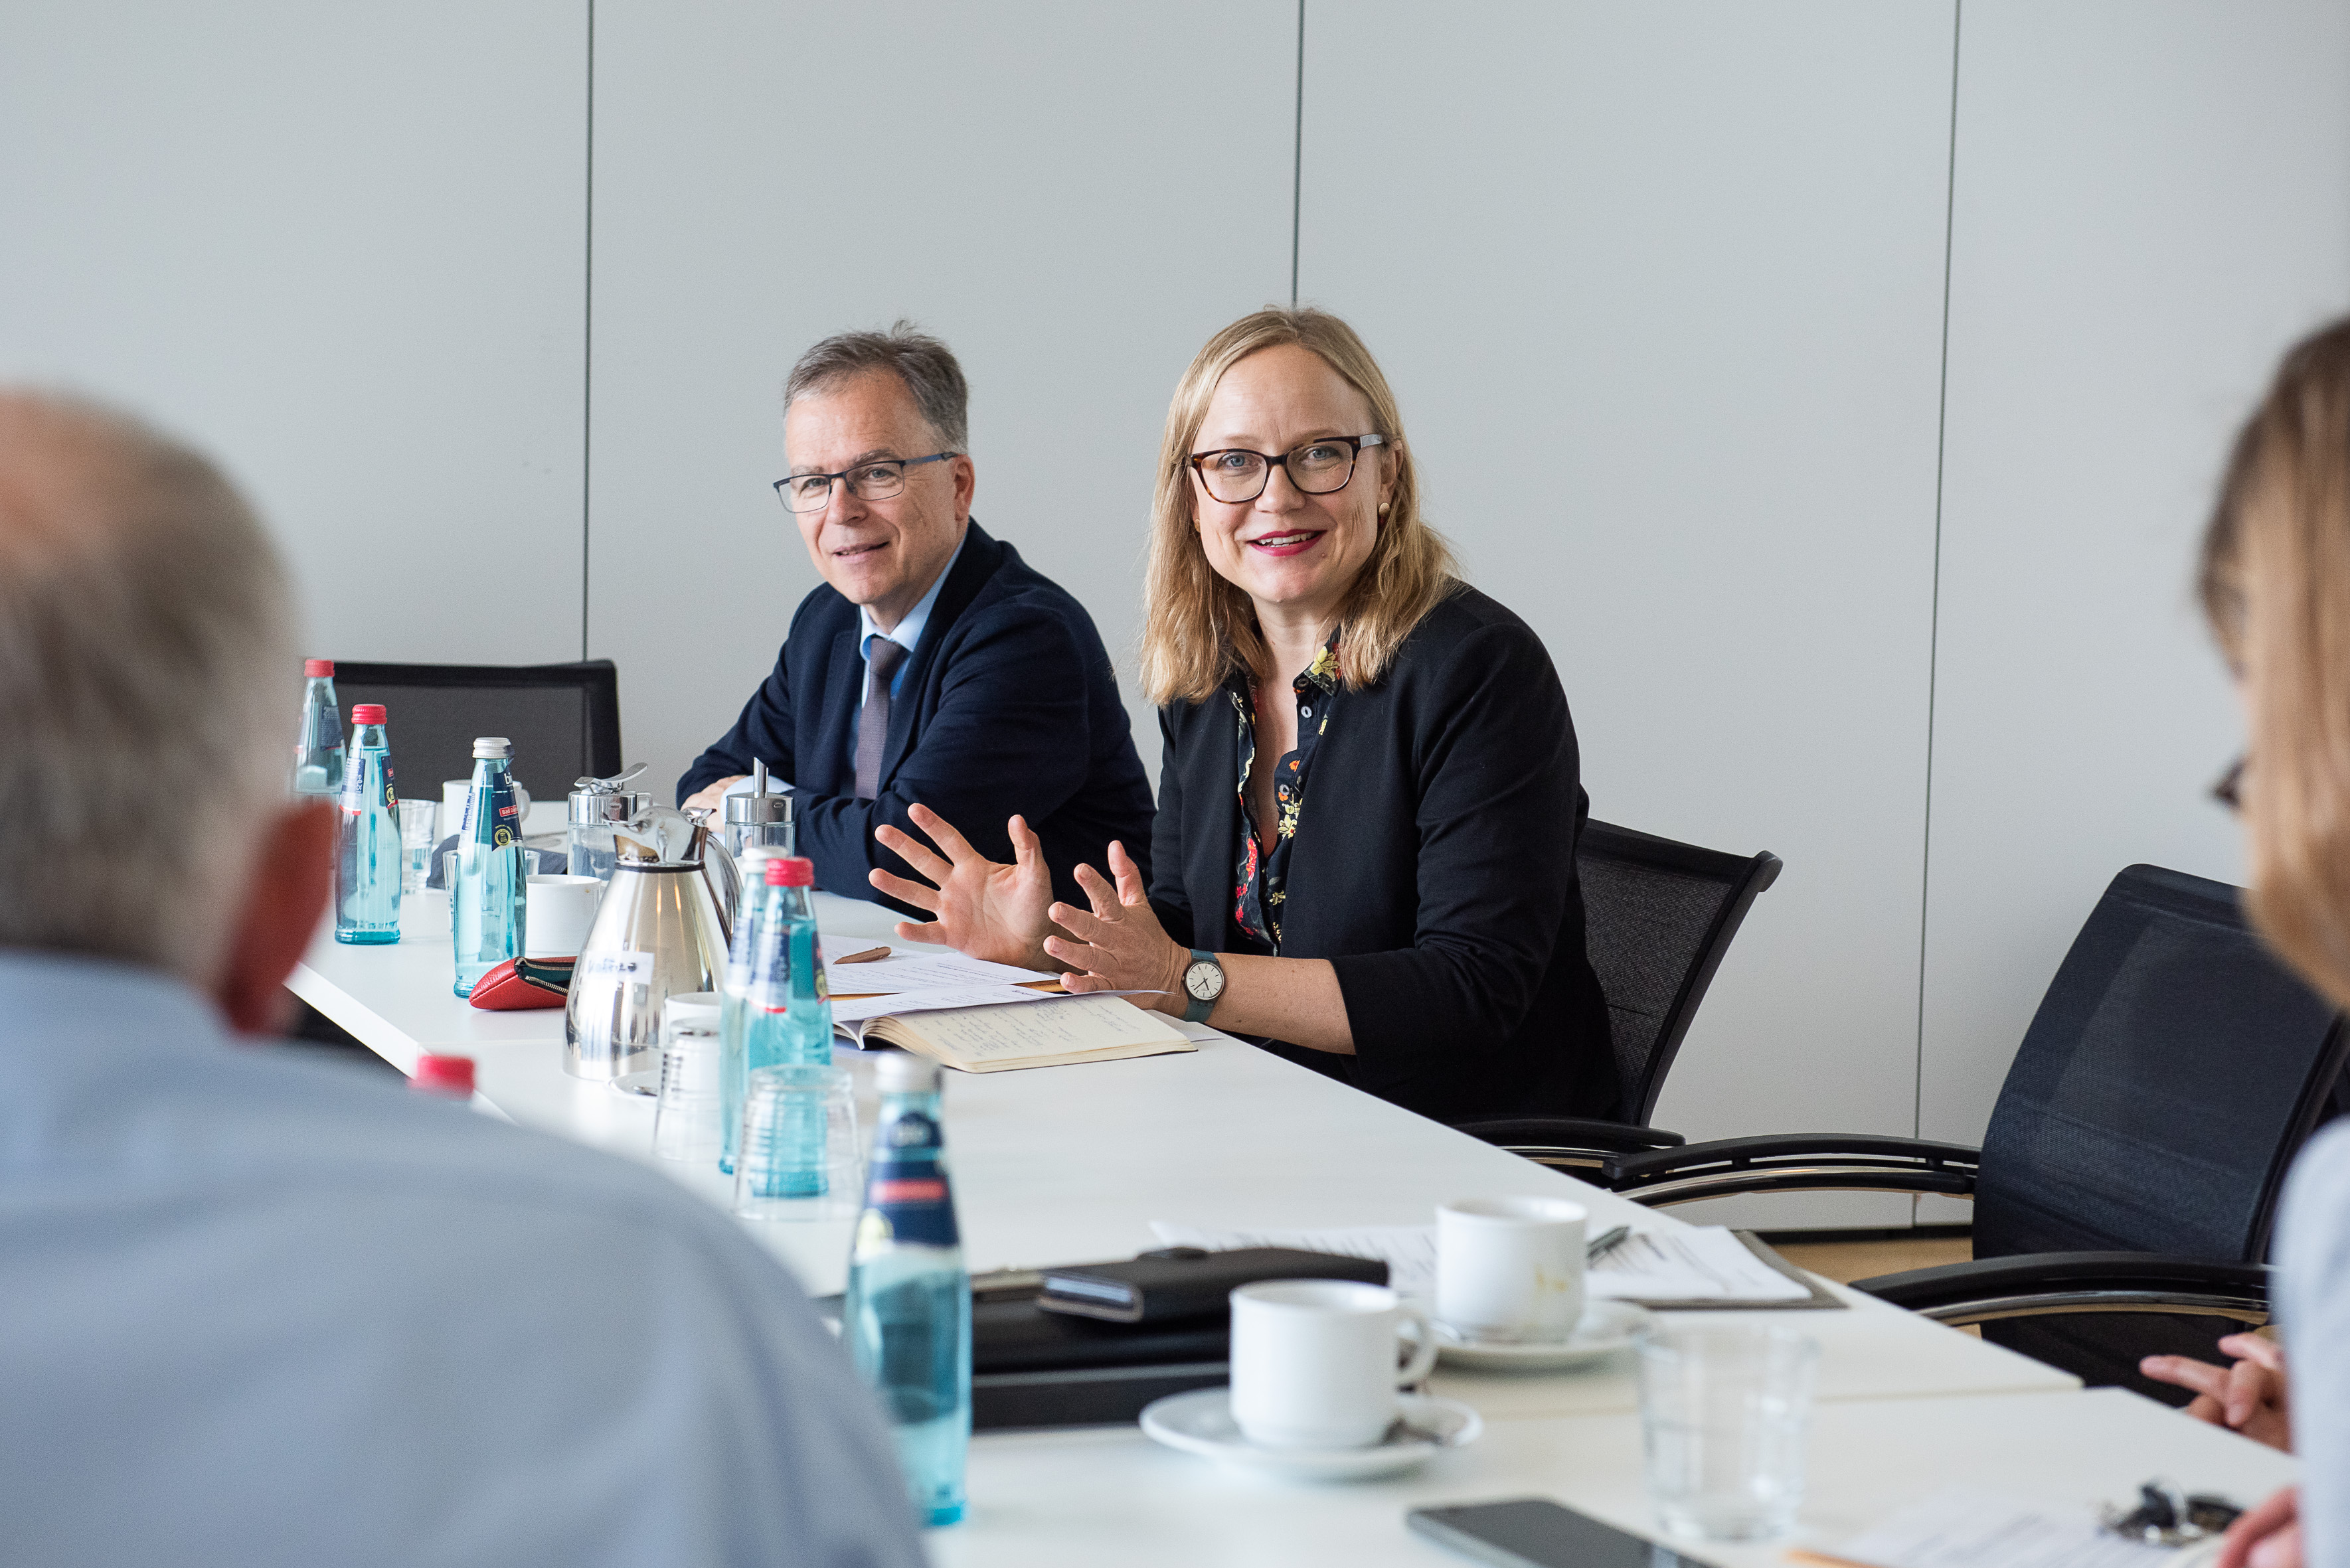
pixel 1314 1362
pixel 557 914
pixel 1510 1269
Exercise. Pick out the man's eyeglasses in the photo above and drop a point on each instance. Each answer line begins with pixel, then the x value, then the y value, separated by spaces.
pixel 2227 791
pixel 875 481
pixel 1234 475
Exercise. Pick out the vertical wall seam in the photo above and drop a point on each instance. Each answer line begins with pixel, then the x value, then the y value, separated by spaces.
pixel 587 338
pixel 1934 614
pixel 1297 159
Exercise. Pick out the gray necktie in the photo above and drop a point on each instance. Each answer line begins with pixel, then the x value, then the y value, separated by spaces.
pixel 873 720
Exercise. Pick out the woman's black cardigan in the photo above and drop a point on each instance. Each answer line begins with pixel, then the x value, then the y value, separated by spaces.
pixel 1433 866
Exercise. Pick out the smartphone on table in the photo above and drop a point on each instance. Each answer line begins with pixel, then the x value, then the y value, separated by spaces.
pixel 1535 1532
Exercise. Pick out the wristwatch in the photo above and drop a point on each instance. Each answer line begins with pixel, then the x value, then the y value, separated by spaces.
pixel 1204 982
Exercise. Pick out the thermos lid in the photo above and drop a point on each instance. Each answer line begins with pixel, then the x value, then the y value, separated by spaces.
pixel 791 871
pixel 492 746
pixel 903 1073
pixel 314 667
pixel 367 714
pixel 758 810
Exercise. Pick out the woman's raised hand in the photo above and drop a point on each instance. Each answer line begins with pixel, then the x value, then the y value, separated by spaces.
pixel 978 907
pixel 1120 944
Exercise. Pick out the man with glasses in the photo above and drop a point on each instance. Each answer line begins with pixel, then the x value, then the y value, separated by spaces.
pixel 935 668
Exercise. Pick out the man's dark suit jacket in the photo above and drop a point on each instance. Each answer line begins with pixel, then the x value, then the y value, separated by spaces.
pixel 1009 704
pixel 1433 866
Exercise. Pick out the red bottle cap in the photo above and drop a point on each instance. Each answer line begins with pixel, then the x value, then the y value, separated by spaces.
pixel 791 871
pixel 450 1076
pixel 367 714
pixel 314 667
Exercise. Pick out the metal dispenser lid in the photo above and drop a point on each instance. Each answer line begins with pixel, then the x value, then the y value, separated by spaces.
pixel 594 800
pixel 758 810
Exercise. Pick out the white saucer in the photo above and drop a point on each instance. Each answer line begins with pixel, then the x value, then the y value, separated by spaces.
pixel 1606 1327
pixel 1201 1422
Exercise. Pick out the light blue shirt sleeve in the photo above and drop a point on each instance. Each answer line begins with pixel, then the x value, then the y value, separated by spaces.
pixel 2314 1262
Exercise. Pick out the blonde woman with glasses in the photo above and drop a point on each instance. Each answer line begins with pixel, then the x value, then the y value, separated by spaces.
pixel 2276 587
pixel 1364 853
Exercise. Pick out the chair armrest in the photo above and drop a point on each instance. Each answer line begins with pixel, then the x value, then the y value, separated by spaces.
pixel 1793 1162
pixel 2038 1284
pixel 1578 1142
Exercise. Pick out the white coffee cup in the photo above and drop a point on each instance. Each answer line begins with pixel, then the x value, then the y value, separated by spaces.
pixel 452 804
pixel 557 914
pixel 1314 1362
pixel 1510 1269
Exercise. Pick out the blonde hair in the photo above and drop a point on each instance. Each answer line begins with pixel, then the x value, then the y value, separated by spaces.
pixel 1198 628
pixel 2275 584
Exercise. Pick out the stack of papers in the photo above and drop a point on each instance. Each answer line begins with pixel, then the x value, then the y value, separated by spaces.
pixel 923 971
pixel 1704 1264
pixel 1962 1528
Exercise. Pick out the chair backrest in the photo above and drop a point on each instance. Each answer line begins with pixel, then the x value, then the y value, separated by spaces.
pixel 2173 1070
pixel 564 720
pixel 1657 916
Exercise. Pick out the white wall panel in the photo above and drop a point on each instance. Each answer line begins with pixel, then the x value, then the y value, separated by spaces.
pixel 1660 290
pixel 2151 201
pixel 1073 197
pixel 342 248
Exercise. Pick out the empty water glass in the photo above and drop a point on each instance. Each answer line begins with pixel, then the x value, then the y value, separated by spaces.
pixel 685 1121
pixel 1723 1414
pixel 416 841
pixel 799 1157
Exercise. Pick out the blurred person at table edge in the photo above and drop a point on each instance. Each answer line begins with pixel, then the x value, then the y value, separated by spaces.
pixel 262 1310
pixel 934 664
pixel 1363 854
pixel 2275 584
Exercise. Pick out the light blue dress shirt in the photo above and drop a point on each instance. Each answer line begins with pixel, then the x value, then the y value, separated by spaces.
pixel 257 1309
pixel 2313 1258
pixel 906 634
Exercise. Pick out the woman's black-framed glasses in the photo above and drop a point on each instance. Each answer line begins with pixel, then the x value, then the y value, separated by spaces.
pixel 875 481
pixel 2228 792
pixel 1234 474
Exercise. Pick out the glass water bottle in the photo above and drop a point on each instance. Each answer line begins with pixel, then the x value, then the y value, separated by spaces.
pixel 486 899
pixel 318 752
pixel 368 855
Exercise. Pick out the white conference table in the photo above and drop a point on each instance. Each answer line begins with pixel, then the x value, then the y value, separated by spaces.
pixel 1072 1164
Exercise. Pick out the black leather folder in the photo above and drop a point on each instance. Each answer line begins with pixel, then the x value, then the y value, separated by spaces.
pixel 1187 1283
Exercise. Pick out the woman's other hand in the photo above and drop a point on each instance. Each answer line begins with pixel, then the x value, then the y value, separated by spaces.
pixel 2267 1537
pixel 2247 1398
pixel 1119 944
pixel 978 907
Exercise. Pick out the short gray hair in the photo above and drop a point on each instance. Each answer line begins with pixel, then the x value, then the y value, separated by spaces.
pixel 146 689
pixel 925 365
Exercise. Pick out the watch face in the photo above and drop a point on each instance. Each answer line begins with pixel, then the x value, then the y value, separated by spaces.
pixel 1205 981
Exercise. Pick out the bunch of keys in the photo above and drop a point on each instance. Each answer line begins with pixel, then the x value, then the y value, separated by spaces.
pixel 2166 1516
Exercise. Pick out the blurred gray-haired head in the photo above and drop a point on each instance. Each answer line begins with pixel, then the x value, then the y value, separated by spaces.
pixel 146 672
pixel 925 365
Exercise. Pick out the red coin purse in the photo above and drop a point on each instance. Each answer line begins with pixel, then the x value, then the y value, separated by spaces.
pixel 524 982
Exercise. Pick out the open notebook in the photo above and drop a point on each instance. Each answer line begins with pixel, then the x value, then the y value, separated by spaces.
pixel 1045 1031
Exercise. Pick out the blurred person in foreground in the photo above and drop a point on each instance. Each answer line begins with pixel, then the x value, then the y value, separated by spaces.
pixel 259 1310
pixel 1364 855
pixel 933 664
pixel 2275 585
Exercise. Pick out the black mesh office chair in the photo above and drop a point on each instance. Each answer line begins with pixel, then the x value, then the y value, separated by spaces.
pixel 564 720
pixel 1657 916
pixel 2125 1188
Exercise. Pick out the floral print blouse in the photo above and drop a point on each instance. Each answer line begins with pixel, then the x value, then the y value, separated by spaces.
pixel 1259 890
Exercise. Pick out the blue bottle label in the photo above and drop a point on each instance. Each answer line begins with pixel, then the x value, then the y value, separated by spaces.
pixel 355 792
pixel 907 1199
pixel 504 823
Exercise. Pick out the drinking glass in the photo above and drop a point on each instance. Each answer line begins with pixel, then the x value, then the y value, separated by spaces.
pixel 799 1157
pixel 685 1121
pixel 416 841
pixel 1723 1414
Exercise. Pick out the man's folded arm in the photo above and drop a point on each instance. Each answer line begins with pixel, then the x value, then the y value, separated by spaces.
pixel 1011 733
